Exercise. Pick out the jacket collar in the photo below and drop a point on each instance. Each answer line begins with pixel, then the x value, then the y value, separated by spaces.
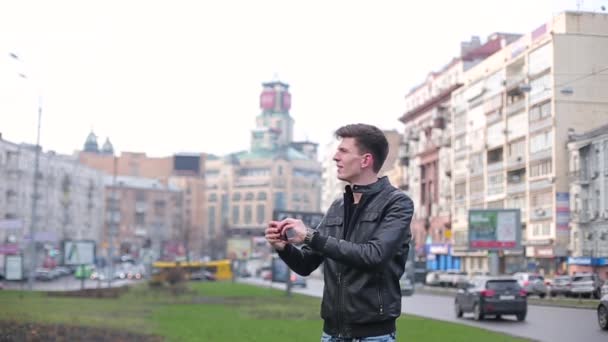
pixel 369 189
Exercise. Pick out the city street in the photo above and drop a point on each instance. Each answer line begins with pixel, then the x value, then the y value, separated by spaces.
pixel 543 323
pixel 68 283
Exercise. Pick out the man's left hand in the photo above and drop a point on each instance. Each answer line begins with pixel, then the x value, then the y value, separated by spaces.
pixel 298 227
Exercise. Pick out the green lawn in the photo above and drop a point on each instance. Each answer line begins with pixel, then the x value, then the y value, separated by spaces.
pixel 221 311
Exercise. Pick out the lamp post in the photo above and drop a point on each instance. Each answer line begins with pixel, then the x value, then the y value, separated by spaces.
pixel 33 219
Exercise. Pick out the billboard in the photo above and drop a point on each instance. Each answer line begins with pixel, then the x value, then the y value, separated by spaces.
pixel 494 229
pixel 13 267
pixel 78 252
pixel 238 248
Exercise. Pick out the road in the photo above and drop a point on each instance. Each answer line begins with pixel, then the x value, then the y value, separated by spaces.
pixel 67 283
pixel 543 323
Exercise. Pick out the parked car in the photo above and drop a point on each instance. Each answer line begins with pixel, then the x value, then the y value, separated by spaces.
pixel 561 285
pixel 605 289
pixel 602 313
pixel 587 285
pixel 491 296
pixel 407 285
pixel 203 275
pixel 432 278
pixel 44 274
pixel 533 284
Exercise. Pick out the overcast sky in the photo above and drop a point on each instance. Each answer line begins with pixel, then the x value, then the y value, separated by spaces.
pixel 185 76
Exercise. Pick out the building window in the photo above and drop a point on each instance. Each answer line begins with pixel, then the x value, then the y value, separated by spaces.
pixel 140 219
pixel 476 162
pixel 279 200
pixel 225 209
pixel 140 196
pixel 460 190
pixel 541 168
pixel 248 214
pixel 540 111
pixel 517 149
pixel 541 141
pixel 261 196
pixel 249 196
pixel 236 196
pixel 261 212
pixel 496 184
pixel 517 202
pixel 212 197
pixel 495 205
pixel 540 88
pixel 235 214
pixel 211 219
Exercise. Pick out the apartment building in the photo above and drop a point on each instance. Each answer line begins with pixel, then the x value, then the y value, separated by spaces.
pixel 144 211
pixel 184 171
pixel 69 198
pixel 588 210
pixel 425 155
pixel 510 123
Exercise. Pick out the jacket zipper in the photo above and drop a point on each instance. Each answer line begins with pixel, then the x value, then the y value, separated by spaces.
pixel 380 297
pixel 340 304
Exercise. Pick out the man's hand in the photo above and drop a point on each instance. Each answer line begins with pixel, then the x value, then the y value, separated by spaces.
pixel 298 228
pixel 273 235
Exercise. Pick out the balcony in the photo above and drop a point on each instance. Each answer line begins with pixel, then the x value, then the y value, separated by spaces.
pixel 516 162
pixel 541 213
pixel 541 184
pixel 495 167
pixel 538 125
pixel 580 177
pixel 476 196
pixel 513 188
pixel 516 107
pixel 140 206
pixel 544 154
pixel 515 80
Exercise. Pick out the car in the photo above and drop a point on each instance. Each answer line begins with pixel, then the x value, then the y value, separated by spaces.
pixel 533 284
pixel 605 289
pixel 44 274
pixel 602 313
pixel 561 285
pixel 406 285
pixel 495 296
pixel 433 278
pixel 586 285
pixel 202 275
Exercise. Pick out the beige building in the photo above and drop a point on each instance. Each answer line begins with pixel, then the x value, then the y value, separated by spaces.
pixel 425 158
pixel 184 171
pixel 588 201
pixel 510 124
pixel 244 188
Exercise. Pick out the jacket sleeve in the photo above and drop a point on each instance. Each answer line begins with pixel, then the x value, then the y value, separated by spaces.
pixel 393 232
pixel 305 260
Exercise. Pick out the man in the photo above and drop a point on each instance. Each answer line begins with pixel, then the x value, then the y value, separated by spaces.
pixel 363 241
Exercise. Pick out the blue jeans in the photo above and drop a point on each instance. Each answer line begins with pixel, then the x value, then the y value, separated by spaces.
pixel 383 338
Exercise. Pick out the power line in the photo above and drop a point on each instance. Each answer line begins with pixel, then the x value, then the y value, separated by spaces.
pixel 597 72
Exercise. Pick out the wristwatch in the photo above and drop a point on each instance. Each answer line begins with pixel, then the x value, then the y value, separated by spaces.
pixel 309 235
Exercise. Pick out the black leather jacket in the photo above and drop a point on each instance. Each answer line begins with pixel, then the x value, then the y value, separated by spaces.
pixel 362 296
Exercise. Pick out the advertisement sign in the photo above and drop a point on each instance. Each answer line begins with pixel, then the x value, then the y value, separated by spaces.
pixel 78 252
pixel 562 213
pixel 13 267
pixel 238 248
pixel 494 229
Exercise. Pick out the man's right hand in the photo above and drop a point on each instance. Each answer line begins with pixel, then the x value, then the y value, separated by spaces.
pixel 274 237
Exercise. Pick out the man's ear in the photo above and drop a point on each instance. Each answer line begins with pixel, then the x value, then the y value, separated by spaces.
pixel 367 160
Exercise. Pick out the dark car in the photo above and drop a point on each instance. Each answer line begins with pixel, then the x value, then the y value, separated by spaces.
pixel 602 313
pixel 494 296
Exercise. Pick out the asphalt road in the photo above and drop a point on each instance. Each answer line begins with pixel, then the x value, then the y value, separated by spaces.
pixel 543 323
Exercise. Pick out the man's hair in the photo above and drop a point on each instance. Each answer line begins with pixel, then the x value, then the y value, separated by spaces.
pixel 369 139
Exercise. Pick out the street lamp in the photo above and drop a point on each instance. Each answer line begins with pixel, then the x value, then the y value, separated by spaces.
pixel 33 219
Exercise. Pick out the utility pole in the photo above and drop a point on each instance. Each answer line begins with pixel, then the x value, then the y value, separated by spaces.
pixel 34 219
pixel 113 222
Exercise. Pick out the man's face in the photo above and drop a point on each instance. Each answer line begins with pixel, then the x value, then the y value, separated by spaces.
pixel 350 161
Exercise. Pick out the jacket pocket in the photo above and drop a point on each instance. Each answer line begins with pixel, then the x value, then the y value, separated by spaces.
pixel 333 224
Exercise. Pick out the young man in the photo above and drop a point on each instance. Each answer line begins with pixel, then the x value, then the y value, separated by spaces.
pixel 363 241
